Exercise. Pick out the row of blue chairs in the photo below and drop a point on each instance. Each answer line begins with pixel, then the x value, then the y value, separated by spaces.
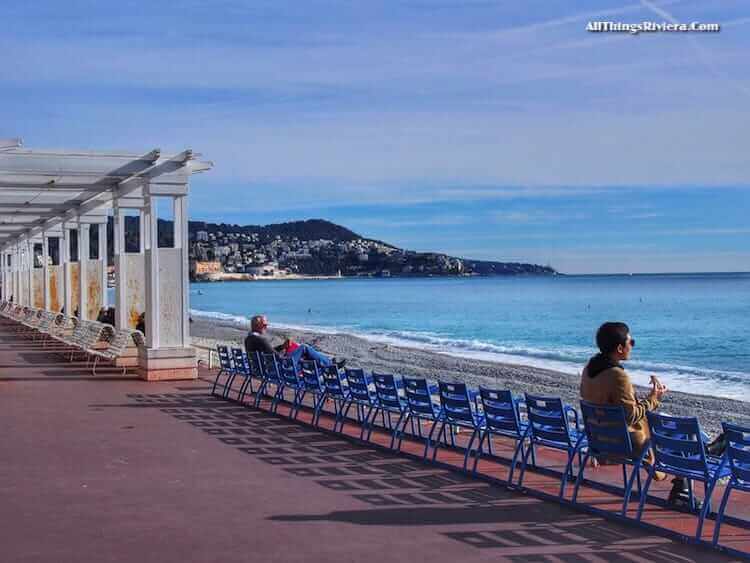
pixel 601 432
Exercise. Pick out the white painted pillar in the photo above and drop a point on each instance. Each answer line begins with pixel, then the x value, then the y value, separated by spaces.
pixel 45 271
pixel 14 274
pixel 2 273
pixel 30 273
pixel 65 266
pixel 181 241
pixel 149 218
pixel 83 257
pixel 121 301
pixel 103 258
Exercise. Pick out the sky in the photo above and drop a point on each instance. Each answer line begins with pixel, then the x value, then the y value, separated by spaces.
pixel 483 129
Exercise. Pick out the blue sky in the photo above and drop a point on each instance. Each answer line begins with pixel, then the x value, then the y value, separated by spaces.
pixel 487 129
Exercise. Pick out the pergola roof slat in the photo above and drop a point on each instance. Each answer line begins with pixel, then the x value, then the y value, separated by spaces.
pixel 40 189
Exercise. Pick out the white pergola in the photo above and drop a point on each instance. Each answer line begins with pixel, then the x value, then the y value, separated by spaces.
pixel 49 196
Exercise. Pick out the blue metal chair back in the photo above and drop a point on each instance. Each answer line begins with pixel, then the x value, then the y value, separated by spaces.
pixel 386 390
pixel 311 376
pixel 418 397
pixel 288 372
pixel 359 388
pixel 548 421
pixel 678 446
pixel 241 362
pixel 270 368
pixel 501 412
pixel 606 430
pixel 738 453
pixel 334 383
pixel 225 359
pixel 454 399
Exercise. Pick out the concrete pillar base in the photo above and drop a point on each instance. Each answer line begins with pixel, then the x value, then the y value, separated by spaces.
pixel 165 364
pixel 129 358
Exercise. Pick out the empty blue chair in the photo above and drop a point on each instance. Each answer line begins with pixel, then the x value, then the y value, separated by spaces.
pixel 226 367
pixel 249 367
pixel 243 370
pixel 502 417
pixel 420 407
pixel 737 458
pixel 269 376
pixel 289 378
pixel 312 385
pixel 679 450
pixel 457 412
pixel 549 426
pixel 362 397
pixel 607 436
pixel 389 403
pixel 336 391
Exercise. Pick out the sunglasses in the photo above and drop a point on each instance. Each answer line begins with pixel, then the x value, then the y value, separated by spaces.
pixel 632 343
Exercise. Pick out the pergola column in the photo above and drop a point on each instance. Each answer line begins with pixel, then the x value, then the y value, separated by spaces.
pixel 83 256
pixel 2 273
pixel 65 268
pixel 30 273
pixel 45 271
pixel 168 354
pixel 121 300
pixel 103 257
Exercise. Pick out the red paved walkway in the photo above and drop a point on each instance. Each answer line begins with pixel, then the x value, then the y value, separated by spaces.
pixel 118 470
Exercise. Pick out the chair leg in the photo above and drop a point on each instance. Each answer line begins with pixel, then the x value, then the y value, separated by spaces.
pixel 401 432
pixel 709 488
pixel 567 472
pixel 429 439
pixel 720 514
pixel 216 381
pixel 478 453
pixel 579 478
pixel 644 494
pixel 634 474
pixel 524 461
pixel 468 448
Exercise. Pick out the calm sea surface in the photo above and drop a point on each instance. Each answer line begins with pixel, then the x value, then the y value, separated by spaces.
pixel 691 330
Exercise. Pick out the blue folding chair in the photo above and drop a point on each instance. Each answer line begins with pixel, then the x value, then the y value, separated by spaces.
pixel 312 385
pixel 362 397
pixel 607 437
pixel 243 370
pixel 389 403
pixel 502 417
pixel 269 376
pixel 289 378
pixel 679 450
pixel 550 426
pixel 420 407
pixel 250 367
pixel 737 458
pixel 226 367
pixel 457 413
pixel 336 391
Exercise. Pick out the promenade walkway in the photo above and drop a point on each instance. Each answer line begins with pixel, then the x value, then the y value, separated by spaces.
pixel 111 469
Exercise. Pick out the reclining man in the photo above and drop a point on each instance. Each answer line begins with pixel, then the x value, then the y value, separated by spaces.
pixel 257 342
pixel 604 381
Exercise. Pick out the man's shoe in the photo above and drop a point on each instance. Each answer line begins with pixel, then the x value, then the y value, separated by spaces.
pixel 679 498
pixel 339 363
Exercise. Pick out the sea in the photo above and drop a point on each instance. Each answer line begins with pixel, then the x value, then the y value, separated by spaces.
pixel 691 330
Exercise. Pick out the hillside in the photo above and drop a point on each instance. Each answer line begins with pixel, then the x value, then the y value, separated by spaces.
pixel 315 247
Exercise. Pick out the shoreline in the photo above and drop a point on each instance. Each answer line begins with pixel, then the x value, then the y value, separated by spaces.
pixel 404 360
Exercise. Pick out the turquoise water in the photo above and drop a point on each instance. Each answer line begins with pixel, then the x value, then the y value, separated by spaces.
pixel 691 330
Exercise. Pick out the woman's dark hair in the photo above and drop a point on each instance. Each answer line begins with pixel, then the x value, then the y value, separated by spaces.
pixel 611 335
